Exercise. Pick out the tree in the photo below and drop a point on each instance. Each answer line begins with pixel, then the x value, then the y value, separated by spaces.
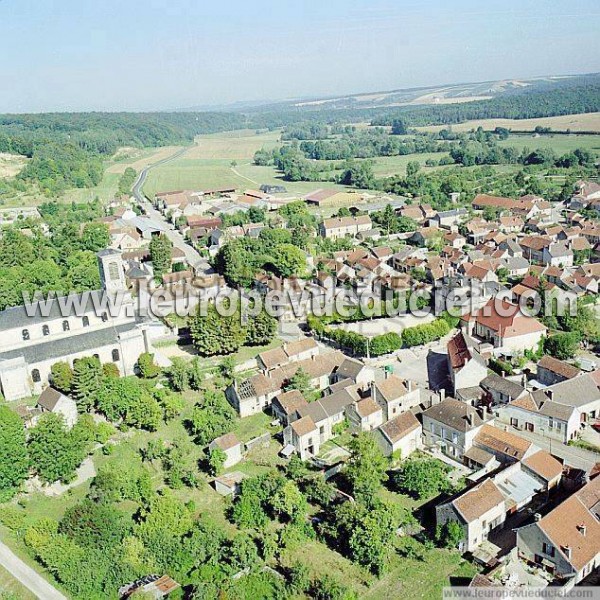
pixel 300 381
pixel 367 466
pixel 450 534
pixel 562 345
pixel 289 260
pixel 178 374
pixel 215 334
pixel 399 127
pixel 216 461
pixel 212 418
pixel 95 237
pixel 55 452
pixel 87 379
pixel 161 254
pixel 289 501
pixel 148 368
pixel 423 477
pixel 261 329
pixel 61 376
pixel 14 460
pixel 110 371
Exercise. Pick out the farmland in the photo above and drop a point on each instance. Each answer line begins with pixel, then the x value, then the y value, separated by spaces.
pixel 583 122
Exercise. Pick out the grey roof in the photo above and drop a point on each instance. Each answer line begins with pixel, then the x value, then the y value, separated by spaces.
pixel 109 252
pixel 556 411
pixel 577 392
pixel 18 317
pixel 503 385
pixel 455 414
pixel 350 368
pixel 55 349
pixel 143 224
pixel 330 405
pixel 516 262
pixel 455 212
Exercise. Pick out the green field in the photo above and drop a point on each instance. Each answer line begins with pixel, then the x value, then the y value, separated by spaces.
pixel 561 144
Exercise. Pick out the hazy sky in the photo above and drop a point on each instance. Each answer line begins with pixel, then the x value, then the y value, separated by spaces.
pixel 71 55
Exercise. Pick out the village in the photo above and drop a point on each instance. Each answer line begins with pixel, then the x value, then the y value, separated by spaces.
pixel 507 402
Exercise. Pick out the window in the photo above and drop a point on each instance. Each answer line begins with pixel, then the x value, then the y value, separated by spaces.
pixel 104 317
pixel 86 321
pixel 113 271
pixel 115 355
pixel 35 375
pixel 46 330
pixel 548 549
pixel 25 334
pixel 432 427
pixel 66 326
pixel 454 437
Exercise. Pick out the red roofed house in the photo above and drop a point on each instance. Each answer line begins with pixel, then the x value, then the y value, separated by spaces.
pixel 504 325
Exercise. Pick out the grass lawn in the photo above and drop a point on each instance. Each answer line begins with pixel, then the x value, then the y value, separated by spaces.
pixel 11 588
pixel 561 144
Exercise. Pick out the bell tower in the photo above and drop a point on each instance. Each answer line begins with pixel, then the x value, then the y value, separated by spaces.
pixel 112 274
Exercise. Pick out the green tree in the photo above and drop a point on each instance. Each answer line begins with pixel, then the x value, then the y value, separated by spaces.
pixel 450 534
pixel 161 254
pixel 215 334
pixel 87 379
pixel 289 260
pixel 422 477
pixel 300 381
pixel 55 452
pixel 61 376
pixel 367 467
pixel 95 237
pixel 289 502
pixel 148 368
pixel 178 374
pixel 261 329
pixel 562 345
pixel 14 460
pixel 216 461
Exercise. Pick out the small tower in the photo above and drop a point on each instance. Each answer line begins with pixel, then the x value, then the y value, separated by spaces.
pixel 112 274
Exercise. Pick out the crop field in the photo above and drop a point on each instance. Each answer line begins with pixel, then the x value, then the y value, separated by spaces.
pixel 583 122
pixel 561 144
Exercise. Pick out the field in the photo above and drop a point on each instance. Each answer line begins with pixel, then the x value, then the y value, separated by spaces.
pixel 583 122
pixel 561 144
pixel 208 164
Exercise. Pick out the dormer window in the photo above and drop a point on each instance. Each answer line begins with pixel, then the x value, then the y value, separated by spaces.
pixel 66 326
pixel 46 330
pixel 86 321
pixel 25 334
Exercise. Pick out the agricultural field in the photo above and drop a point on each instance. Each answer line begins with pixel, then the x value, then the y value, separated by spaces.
pixel 583 122
pixel 561 144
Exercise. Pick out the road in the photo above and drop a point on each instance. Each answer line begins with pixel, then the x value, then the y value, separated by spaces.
pixel 27 576
pixel 572 455
pixel 192 256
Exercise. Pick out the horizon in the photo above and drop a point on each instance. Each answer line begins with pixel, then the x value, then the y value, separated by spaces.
pixel 155 57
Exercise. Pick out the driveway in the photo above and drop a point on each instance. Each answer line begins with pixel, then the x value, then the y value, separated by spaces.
pixel 27 576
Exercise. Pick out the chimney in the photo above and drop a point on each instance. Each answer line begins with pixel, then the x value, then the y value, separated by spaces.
pixel 550 394
pixel 503 373
pixel 524 381
pixel 537 517
pixel 442 394
pixel 582 529
pixel 409 384
pixel 470 418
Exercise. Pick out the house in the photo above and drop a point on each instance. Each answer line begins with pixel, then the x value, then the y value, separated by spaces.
pixel 340 227
pixel 500 390
pixel 511 224
pixel 566 541
pixel 256 393
pixel 451 426
pixel 483 201
pixel 479 511
pixel 550 370
pixel 229 484
pixel 364 414
pixel 558 254
pixel 504 325
pixel 355 370
pixel 395 396
pixel 231 446
pixel 426 235
pixel 285 406
pixel 303 435
pixel 535 248
pixel 290 352
pixel 151 586
pixel 465 365
pixel 53 401
pixel 400 436
pixel 505 446
pixel 447 219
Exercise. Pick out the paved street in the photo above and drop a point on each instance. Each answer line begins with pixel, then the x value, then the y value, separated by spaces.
pixel 191 254
pixel 27 576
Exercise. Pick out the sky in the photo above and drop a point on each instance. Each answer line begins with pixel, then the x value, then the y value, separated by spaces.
pixel 73 55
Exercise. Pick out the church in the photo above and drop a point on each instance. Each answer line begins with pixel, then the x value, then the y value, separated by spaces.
pixel 31 343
